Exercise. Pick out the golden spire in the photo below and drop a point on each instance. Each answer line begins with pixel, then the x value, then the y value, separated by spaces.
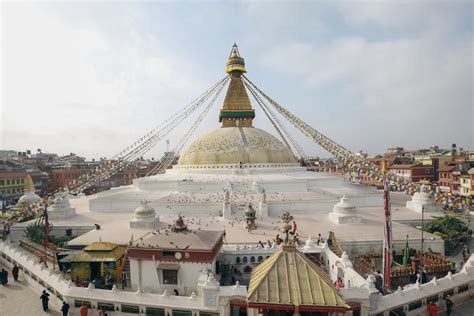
pixel 29 186
pixel 237 109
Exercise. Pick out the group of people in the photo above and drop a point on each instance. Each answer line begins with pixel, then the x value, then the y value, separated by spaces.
pixel 339 284
pixel 432 307
pixel 101 282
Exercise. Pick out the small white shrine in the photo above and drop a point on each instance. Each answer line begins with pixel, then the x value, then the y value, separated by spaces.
pixel 421 201
pixel 344 212
pixel 61 208
pixel 144 217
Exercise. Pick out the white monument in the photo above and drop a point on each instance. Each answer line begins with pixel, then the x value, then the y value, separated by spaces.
pixel 144 217
pixel 263 205
pixel 421 201
pixel 344 212
pixel 61 208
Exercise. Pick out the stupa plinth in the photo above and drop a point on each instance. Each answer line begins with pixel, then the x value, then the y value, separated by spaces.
pixel 144 217
pixel 61 208
pixel 344 212
pixel 422 202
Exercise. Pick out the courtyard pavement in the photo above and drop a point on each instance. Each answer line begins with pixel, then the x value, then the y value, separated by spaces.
pixel 17 299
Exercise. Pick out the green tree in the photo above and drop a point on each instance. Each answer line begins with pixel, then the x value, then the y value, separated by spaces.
pixel 453 231
pixel 35 231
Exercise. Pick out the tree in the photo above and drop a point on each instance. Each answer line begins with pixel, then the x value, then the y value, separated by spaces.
pixel 451 229
pixel 35 231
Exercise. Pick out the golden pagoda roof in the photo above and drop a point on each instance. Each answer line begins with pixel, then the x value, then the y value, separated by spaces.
pixel 289 278
pixel 99 252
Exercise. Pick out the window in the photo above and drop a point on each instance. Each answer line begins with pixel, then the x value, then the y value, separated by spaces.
pixel 450 293
pixel 433 298
pixel 260 258
pixel 130 309
pixel 245 260
pixel 80 303
pixel 463 288
pixel 2 182
pixel 182 313
pixel 69 232
pixel 169 253
pixel 170 276
pixel 155 311
pixel 252 259
pixel 237 260
pixel 414 305
pixel 8 181
pixel 107 306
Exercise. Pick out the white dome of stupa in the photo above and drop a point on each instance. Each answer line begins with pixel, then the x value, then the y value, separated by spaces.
pixel 344 206
pixel 144 217
pixel 30 197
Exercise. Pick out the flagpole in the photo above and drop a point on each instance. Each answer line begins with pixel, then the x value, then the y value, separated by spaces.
pixel 387 241
pixel 46 228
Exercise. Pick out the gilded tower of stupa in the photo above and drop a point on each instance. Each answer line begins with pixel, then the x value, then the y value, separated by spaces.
pixel 237 109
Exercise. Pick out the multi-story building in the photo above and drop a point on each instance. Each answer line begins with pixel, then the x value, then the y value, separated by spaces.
pixel 445 176
pixel 12 179
pixel 11 185
pixel 467 183
pixel 61 176
pixel 413 172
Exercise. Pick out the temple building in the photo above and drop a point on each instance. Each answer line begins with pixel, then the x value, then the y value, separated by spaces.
pixel 205 237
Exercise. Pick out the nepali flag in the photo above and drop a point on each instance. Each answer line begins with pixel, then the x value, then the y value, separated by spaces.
pixel 387 241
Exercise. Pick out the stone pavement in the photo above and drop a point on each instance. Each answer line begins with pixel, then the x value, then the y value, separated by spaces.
pixel 17 299
pixel 464 309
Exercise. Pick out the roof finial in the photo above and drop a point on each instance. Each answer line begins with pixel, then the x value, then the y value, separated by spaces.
pixel 235 63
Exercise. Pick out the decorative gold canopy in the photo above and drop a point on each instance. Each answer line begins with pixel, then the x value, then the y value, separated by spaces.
pixel 289 278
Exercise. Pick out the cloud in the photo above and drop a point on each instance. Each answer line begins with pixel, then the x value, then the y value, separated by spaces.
pixel 410 90
pixel 72 87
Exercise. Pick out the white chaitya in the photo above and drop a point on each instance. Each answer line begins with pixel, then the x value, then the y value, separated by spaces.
pixel 144 217
pixel 344 212
pixel 61 208
pixel 421 201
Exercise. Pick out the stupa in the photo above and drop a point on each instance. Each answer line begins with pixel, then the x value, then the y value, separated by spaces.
pixel 30 197
pixel 422 202
pixel 61 208
pixel 144 217
pixel 237 142
pixel 344 212
pixel 226 168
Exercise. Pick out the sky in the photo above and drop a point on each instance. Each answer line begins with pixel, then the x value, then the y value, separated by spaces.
pixel 93 77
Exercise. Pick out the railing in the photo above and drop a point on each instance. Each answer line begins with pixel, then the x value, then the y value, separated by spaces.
pixel 41 278
pixel 335 244
pixel 39 251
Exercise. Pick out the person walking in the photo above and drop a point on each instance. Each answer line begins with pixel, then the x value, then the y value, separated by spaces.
pixel 124 279
pixel 449 305
pixel 4 277
pixel 15 272
pixel 84 310
pixel 44 300
pixel 432 309
pixel 65 308
pixel 102 311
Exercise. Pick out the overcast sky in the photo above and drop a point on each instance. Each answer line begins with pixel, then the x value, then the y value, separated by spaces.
pixel 91 78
